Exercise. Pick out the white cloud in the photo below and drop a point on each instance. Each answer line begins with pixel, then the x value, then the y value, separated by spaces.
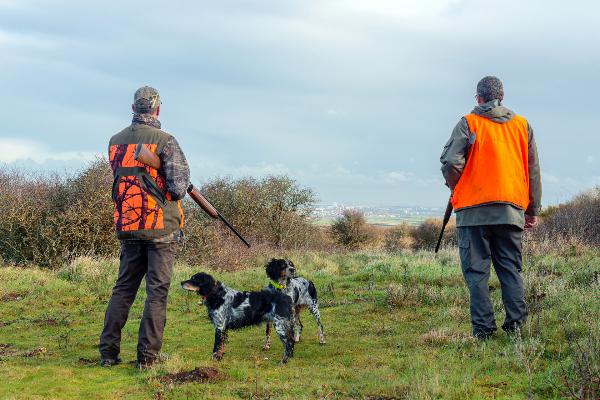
pixel 21 150
pixel 399 176
pixel 22 40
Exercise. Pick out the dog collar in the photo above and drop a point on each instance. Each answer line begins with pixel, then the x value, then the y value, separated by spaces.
pixel 277 285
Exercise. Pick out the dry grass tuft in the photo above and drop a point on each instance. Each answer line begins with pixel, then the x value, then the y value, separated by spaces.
pixel 440 337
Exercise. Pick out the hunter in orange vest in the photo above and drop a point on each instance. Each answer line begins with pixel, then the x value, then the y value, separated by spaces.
pixel 148 221
pixel 491 165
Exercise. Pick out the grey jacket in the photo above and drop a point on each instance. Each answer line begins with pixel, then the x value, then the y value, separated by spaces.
pixel 453 162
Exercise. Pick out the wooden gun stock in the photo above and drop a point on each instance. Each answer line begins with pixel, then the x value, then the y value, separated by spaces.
pixel 202 202
pixel 145 156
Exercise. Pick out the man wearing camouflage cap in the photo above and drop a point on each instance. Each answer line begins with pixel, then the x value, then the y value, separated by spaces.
pixel 491 165
pixel 148 222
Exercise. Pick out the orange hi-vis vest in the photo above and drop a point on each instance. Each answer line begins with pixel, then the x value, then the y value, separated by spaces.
pixel 497 168
pixel 144 209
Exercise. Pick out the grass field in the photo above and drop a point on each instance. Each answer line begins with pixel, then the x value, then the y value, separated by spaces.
pixel 397 327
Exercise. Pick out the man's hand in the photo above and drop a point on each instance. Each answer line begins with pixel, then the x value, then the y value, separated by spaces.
pixel 530 221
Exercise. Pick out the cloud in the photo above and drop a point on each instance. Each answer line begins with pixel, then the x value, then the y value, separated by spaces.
pixel 18 40
pixel 22 150
pixel 355 98
pixel 398 176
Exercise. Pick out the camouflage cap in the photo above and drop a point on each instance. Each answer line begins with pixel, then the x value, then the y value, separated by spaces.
pixel 146 99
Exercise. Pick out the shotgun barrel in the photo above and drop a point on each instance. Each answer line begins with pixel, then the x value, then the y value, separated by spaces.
pixel 145 156
pixel 447 216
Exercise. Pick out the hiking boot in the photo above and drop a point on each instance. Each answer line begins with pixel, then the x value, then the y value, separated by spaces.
pixel 512 328
pixel 109 362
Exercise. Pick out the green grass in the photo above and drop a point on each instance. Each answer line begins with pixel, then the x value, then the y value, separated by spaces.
pixel 396 326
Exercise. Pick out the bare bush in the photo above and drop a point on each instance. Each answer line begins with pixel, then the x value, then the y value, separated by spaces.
pixel 399 238
pixel 49 220
pixel 351 230
pixel 425 235
pixel 577 220
pixel 274 210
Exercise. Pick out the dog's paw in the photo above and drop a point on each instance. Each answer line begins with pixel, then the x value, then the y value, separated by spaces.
pixel 217 356
pixel 266 347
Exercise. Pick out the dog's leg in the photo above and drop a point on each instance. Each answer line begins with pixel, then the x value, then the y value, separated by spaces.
pixel 219 347
pixel 314 309
pixel 284 329
pixel 267 345
pixel 297 325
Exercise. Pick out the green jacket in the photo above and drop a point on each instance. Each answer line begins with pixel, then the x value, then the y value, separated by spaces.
pixel 453 162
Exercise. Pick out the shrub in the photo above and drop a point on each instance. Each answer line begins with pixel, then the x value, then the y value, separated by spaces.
pixel 426 234
pixel 52 219
pixel 577 220
pixel 351 230
pixel 274 210
pixel 398 238
pixel 49 220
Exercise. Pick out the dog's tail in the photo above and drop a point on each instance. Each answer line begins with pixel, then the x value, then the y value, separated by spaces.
pixel 312 290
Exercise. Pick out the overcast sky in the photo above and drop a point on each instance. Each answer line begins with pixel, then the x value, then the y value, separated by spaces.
pixel 352 98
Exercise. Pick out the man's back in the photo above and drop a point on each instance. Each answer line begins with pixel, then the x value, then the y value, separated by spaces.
pixel 490 164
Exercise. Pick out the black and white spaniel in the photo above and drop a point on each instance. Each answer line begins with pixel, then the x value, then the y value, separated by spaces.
pixel 231 309
pixel 302 292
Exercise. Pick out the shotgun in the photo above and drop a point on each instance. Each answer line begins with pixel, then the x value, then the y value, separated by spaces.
pixel 145 156
pixel 447 216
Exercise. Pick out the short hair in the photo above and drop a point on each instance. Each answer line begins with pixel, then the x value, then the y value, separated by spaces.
pixel 490 88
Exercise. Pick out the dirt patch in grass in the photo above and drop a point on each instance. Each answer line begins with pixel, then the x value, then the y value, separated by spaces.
pixel 38 351
pixel 37 321
pixel 13 296
pixel 200 374
pixel 6 349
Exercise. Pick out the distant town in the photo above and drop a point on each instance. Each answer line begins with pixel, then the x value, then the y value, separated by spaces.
pixel 385 215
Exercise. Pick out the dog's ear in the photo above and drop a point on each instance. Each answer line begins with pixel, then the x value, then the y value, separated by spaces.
pixel 272 270
pixel 189 285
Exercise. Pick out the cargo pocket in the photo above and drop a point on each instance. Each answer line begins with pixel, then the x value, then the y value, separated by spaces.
pixel 464 250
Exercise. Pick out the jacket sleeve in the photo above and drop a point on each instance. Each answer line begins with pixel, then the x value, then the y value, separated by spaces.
pixel 453 156
pixel 175 168
pixel 535 178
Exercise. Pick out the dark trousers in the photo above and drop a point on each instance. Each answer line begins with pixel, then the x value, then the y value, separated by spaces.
pixel 155 261
pixel 501 245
